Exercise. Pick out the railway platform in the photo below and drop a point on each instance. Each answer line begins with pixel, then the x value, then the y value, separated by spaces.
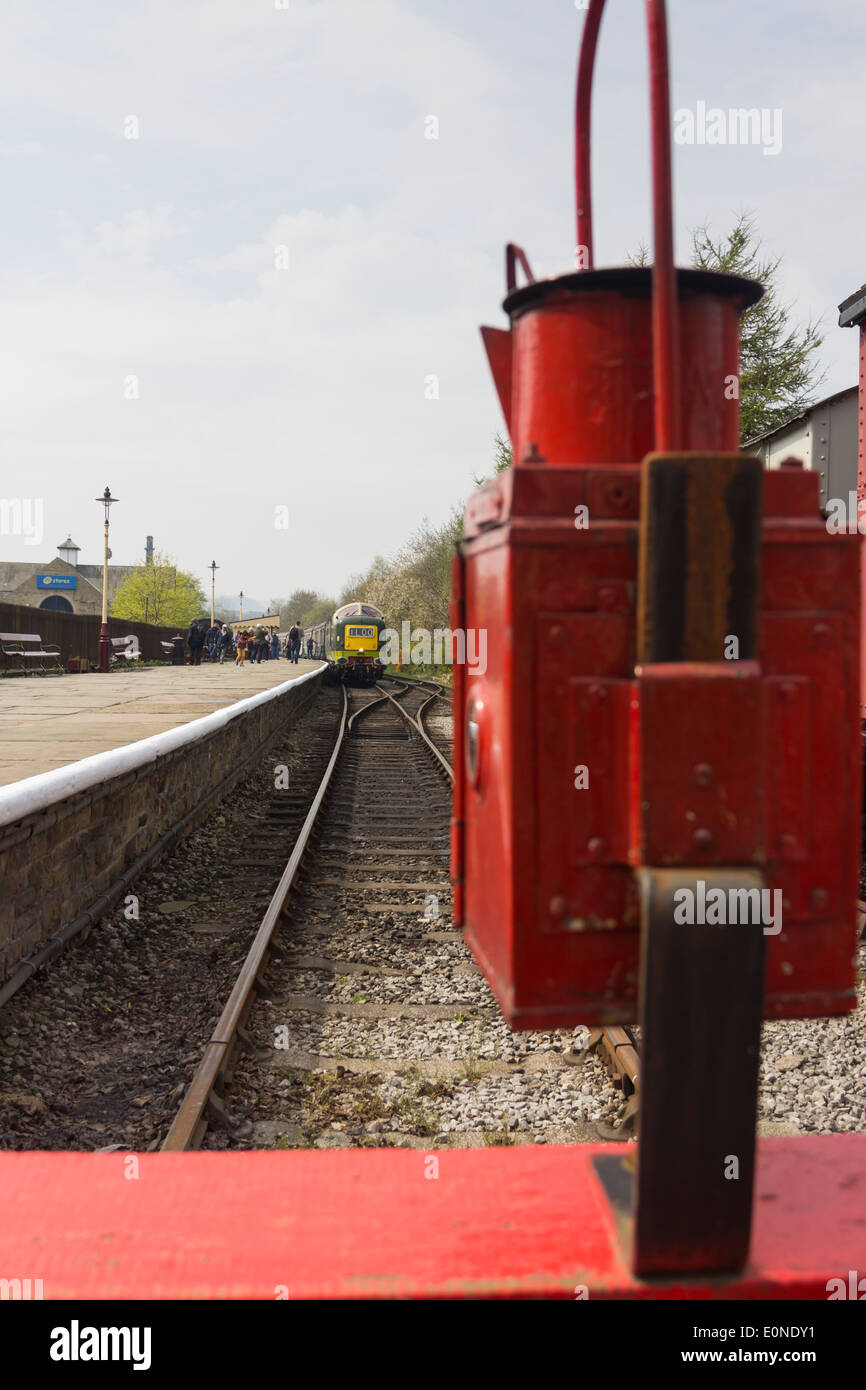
pixel 49 722
pixel 475 1223
pixel 101 774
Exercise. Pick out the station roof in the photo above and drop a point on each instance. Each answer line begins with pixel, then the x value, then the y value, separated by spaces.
pixel 803 415
pixel 852 310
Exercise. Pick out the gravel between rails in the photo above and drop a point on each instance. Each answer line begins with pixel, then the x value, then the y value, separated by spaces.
pixel 813 1071
pixel 379 1029
pixel 393 1038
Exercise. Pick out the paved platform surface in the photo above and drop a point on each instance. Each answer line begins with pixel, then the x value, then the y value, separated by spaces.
pixel 520 1222
pixel 50 721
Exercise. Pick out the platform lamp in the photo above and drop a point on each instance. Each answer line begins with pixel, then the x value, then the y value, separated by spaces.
pixel 213 567
pixel 104 642
pixel 241 609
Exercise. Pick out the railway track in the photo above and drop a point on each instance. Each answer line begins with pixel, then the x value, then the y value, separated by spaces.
pixel 98 1048
pixel 98 1052
pixel 358 1016
pixel 616 1046
pixel 423 696
pixel 387 1023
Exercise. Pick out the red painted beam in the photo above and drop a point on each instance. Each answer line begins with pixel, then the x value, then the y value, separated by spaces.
pixel 517 1222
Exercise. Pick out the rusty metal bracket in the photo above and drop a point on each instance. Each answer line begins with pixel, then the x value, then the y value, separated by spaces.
pixel 617 1049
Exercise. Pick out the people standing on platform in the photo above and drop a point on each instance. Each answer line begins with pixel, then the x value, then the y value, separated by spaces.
pixel 294 641
pixel 225 642
pixel 259 642
pixel 212 640
pixel 195 642
pixel 310 648
pixel 275 646
pixel 243 641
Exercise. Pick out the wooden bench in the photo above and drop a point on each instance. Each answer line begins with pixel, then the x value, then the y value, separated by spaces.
pixel 126 647
pixel 19 654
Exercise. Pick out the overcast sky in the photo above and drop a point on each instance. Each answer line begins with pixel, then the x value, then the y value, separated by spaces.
pixel 262 384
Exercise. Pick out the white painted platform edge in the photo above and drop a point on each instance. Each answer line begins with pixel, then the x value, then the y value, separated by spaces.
pixel 33 794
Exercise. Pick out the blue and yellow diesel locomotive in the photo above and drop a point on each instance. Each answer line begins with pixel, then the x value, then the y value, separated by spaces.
pixel 350 642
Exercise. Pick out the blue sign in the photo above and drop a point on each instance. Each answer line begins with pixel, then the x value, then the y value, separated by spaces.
pixel 57 581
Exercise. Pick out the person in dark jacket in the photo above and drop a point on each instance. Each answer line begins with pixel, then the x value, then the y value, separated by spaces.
pixel 275 646
pixel 294 641
pixel 310 648
pixel 259 644
pixel 225 642
pixel 195 642
pixel 212 640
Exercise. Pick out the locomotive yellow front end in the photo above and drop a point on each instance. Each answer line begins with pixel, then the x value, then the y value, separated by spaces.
pixel 355 639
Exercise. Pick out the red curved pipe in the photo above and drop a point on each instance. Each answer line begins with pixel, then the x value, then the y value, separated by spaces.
pixel 666 379
pixel 666 364
pixel 583 127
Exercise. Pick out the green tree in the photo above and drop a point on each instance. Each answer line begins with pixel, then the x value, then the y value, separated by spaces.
pixel 161 594
pixel 355 587
pixel 502 457
pixel 308 605
pixel 320 612
pixel 779 370
pixel 413 585
pixel 502 454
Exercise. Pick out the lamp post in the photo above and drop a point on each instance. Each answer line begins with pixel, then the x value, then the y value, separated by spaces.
pixel 213 567
pixel 241 609
pixel 104 643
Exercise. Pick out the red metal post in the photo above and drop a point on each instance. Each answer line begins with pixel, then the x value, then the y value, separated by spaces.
pixel 582 133
pixel 637 728
pixel 668 421
pixel 665 359
pixel 457 620
pixel 852 314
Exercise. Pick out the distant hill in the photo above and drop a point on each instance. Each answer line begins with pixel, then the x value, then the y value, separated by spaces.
pixel 253 607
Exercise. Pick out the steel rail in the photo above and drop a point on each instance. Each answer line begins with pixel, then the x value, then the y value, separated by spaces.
pixel 619 1051
pixel 189 1124
pixel 415 722
pixel 87 918
pixel 616 1047
pixel 363 709
pixel 415 683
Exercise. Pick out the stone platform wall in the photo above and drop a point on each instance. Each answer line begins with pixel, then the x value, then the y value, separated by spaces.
pixel 72 859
